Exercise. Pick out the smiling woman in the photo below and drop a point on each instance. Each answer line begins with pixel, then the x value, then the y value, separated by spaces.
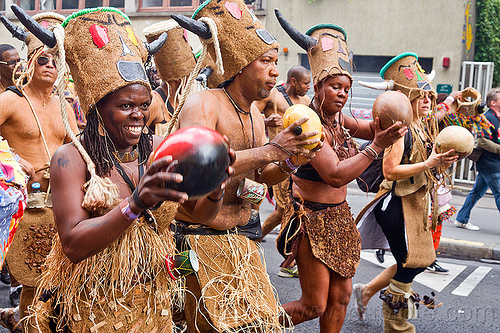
pixel 113 208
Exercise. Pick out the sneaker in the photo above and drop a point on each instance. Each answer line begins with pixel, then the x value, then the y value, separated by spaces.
pixel 380 255
pixel 357 290
pixel 15 295
pixel 468 226
pixel 4 276
pixel 9 318
pixel 435 268
pixel 289 272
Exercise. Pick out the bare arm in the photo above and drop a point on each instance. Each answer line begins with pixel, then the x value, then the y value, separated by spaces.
pixel 359 128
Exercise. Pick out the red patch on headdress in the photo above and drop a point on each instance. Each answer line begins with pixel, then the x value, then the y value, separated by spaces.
pixel 185 34
pixel 326 44
pixel 409 73
pixel 45 24
pixel 233 8
pixel 99 35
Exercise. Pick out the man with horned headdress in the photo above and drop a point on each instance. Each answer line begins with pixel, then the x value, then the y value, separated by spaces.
pixel 232 286
pixel 31 122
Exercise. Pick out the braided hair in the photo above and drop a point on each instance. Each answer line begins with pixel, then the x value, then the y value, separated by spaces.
pixel 100 147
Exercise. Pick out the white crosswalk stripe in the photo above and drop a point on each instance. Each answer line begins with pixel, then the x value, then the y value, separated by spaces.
pixel 438 282
pixel 466 287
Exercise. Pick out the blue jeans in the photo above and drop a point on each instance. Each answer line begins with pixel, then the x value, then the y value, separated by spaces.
pixel 483 181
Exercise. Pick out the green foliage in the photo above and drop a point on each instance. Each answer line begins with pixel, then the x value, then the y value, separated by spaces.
pixel 488 35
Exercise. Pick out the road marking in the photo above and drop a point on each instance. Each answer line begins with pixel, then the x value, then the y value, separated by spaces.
pixel 435 281
pixel 461 241
pixel 466 287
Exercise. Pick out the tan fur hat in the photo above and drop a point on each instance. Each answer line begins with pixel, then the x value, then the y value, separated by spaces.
pixel 175 59
pixel 408 76
pixel 103 53
pixel 45 19
pixel 330 55
pixel 241 36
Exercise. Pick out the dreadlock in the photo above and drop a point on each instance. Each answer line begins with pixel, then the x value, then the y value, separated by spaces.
pixel 101 148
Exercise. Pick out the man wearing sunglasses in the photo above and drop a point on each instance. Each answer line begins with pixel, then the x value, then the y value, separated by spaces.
pixel 31 122
pixel 8 61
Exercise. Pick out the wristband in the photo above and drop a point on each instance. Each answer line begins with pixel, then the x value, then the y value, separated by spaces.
pixel 127 212
pixel 450 98
pixel 137 200
pixel 219 199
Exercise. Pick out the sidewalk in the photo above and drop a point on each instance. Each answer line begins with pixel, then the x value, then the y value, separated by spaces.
pixel 458 242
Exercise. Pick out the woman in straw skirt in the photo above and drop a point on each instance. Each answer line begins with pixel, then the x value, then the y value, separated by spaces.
pixel 401 207
pixel 321 234
pixel 113 208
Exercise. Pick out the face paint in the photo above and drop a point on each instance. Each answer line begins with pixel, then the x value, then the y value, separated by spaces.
pixel 131 35
pixel 233 9
pixel 420 68
pixel 45 24
pixel 326 44
pixel 185 35
pixel 99 35
pixel 345 65
pixel 126 49
pixel 341 50
pixel 419 78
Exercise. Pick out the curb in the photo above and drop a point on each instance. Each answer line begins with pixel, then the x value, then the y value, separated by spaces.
pixel 463 250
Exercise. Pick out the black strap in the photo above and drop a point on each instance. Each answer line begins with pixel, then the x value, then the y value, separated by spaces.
pixel 170 108
pixel 15 90
pixel 282 90
pixel 162 94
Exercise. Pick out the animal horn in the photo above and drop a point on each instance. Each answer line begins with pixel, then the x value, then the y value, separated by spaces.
pixel 431 75
pixel 45 35
pixel 303 40
pixel 17 32
pixel 199 28
pixel 386 85
pixel 157 44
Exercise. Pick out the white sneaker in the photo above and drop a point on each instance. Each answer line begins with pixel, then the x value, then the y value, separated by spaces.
pixel 468 226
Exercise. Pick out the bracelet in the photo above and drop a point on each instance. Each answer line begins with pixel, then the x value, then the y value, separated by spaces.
pixel 290 165
pixel 127 212
pixel 279 146
pixel 366 154
pixel 371 151
pixel 137 200
pixel 217 200
pixel 284 171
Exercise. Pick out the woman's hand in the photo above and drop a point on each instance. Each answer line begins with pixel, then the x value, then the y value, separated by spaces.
pixel 385 138
pixel 443 159
pixel 153 187
pixel 292 143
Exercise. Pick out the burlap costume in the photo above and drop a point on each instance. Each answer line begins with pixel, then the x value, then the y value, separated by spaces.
pixel 32 241
pixel 175 60
pixel 232 288
pixel 124 287
pixel 242 36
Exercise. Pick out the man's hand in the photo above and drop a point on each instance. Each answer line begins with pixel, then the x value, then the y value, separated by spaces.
pixel 27 167
pixel 274 120
pixel 288 143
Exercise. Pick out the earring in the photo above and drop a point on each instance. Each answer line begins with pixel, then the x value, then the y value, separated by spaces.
pixel 145 130
pixel 101 130
pixel 241 71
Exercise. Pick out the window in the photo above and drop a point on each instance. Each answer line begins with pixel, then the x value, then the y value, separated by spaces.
pixel 63 6
pixel 2 5
pixel 168 5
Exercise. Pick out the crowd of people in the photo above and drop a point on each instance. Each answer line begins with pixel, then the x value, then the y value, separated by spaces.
pixel 91 103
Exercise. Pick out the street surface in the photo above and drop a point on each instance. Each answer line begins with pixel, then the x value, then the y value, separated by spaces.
pixel 470 293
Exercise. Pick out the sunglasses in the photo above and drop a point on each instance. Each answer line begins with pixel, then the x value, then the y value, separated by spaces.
pixel 43 60
pixel 11 62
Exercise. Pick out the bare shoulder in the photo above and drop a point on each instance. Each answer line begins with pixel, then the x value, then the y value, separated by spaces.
pixel 67 159
pixel 10 104
pixel 201 108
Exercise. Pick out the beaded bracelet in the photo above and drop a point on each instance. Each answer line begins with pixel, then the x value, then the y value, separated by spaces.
pixel 283 170
pixel 127 212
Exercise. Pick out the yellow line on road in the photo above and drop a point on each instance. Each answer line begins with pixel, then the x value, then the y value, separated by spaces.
pixel 461 241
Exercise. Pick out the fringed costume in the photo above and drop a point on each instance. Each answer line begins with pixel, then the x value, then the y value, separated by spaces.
pixel 124 287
